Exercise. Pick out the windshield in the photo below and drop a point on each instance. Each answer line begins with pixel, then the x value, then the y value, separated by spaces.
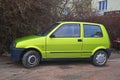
pixel 48 30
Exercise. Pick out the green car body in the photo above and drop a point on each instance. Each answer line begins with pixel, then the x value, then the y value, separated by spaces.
pixel 50 46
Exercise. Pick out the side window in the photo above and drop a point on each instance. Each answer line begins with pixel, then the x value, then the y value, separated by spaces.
pixel 68 30
pixel 92 31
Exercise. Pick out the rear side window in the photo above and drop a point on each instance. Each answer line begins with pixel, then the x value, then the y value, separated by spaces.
pixel 92 31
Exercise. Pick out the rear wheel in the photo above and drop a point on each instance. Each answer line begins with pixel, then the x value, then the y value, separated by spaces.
pixel 31 59
pixel 100 58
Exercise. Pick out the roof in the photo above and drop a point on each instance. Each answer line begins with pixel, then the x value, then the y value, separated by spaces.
pixel 77 22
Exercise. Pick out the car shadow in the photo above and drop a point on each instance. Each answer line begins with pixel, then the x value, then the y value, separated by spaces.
pixel 74 62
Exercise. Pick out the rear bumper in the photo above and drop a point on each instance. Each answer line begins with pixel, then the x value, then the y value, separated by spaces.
pixel 16 53
pixel 109 52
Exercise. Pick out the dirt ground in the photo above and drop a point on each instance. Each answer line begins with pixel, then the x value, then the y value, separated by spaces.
pixel 77 70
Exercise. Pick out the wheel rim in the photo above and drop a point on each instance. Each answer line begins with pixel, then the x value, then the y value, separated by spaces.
pixel 32 59
pixel 101 58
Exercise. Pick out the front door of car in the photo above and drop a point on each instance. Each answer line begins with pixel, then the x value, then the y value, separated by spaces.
pixel 65 42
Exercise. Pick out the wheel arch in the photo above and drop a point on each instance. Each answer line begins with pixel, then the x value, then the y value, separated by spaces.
pixel 98 49
pixel 28 49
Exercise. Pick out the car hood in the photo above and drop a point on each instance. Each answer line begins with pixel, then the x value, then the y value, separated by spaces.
pixel 27 38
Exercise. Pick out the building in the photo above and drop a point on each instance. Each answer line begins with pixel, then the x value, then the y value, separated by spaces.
pixel 106 6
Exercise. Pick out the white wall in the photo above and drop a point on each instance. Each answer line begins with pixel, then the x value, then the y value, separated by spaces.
pixel 113 5
pixel 95 4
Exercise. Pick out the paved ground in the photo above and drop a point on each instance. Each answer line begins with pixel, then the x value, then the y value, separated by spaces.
pixel 61 70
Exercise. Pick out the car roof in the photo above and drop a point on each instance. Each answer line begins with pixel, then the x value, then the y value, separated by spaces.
pixel 78 22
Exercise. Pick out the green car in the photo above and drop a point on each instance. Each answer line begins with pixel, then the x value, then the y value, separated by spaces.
pixel 64 41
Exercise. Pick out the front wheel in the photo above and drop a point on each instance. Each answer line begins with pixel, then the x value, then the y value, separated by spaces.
pixel 100 58
pixel 31 59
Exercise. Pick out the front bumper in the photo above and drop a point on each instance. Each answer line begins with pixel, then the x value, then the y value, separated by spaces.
pixel 16 53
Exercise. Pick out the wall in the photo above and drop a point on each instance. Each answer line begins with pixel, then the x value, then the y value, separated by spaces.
pixel 113 5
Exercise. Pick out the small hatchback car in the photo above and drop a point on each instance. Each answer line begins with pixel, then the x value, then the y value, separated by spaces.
pixel 64 40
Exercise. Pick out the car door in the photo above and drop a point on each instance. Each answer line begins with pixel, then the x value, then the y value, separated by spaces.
pixel 65 42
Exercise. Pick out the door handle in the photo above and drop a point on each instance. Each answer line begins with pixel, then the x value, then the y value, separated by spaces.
pixel 79 40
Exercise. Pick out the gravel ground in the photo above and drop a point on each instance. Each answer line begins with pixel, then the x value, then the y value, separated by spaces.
pixel 77 70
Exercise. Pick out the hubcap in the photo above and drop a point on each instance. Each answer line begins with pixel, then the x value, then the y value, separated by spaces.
pixel 32 59
pixel 101 58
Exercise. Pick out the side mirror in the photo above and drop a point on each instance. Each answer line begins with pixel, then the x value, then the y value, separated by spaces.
pixel 52 36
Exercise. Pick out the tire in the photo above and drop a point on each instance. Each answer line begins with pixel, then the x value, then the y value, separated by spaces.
pixel 100 58
pixel 31 59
